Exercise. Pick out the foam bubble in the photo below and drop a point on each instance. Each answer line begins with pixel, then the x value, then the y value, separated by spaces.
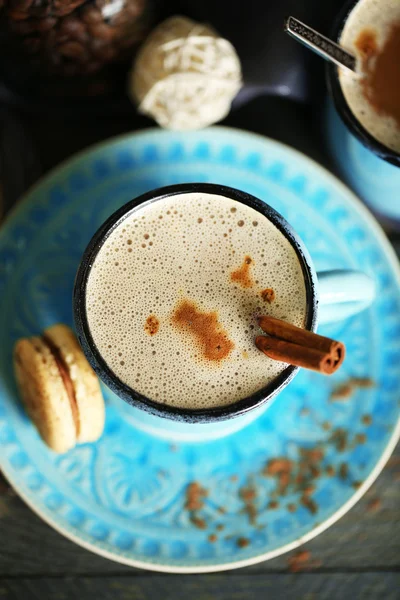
pixel 131 307
pixel 378 15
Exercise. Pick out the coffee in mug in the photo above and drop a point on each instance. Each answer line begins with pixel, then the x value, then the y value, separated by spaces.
pixel 372 33
pixel 173 292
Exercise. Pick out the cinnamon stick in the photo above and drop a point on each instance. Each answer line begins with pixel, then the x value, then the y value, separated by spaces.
pixel 299 347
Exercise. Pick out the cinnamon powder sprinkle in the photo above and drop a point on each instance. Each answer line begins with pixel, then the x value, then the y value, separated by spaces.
pixel 366 419
pixel 339 438
pixel 152 325
pixel 297 561
pixel 195 495
pixel 278 465
pixel 268 295
pixel 310 504
pixel 342 392
pixel 248 495
pixel 242 542
pixel 198 522
pixel 360 438
pixel 343 471
pixel 204 328
pixel 242 275
pixel 345 390
pixel 374 505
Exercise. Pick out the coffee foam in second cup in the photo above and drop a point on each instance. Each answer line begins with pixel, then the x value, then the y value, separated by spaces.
pixel 378 16
pixel 173 293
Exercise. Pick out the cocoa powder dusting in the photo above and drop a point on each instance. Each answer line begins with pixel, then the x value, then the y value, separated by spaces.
pixel 152 325
pixel 242 275
pixel 205 328
pixel 382 71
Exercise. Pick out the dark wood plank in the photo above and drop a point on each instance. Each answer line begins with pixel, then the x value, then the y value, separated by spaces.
pixel 351 586
pixel 365 538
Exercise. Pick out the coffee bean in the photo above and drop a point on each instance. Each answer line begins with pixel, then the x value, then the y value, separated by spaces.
pixel 16 15
pixel 101 3
pixel 65 7
pixel 45 24
pixel 59 38
pixel 91 14
pixel 20 5
pixel 39 9
pixel 102 50
pixel 74 28
pixel 73 50
pixel 101 31
pixel 134 9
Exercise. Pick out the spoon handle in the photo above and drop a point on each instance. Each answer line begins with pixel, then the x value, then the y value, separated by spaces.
pixel 320 44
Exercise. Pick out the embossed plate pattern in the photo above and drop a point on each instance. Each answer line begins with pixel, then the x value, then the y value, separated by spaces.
pixel 124 496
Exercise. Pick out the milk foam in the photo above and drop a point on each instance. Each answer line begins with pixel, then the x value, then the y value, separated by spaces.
pixel 184 248
pixel 378 15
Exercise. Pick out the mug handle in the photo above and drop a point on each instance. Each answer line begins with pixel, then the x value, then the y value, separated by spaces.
pixel 343 293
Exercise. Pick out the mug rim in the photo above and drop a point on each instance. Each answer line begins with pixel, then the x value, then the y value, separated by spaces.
pixel 343 109
pixel 94 356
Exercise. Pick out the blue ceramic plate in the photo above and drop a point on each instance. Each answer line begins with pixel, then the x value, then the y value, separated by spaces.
pixel 125 496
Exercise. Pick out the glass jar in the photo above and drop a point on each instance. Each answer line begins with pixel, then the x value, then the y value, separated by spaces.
pixel 66 47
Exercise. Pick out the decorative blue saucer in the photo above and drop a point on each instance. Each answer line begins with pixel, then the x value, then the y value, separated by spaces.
pixel 126 497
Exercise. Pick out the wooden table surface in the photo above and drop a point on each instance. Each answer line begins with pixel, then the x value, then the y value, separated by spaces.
pixel 358 557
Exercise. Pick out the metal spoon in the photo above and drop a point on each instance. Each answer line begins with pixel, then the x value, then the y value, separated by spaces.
pixel 321 44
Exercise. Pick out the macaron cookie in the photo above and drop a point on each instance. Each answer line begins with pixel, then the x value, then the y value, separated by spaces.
pixel 60 390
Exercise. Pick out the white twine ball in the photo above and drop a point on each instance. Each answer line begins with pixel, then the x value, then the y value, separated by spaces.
pixel 185 76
